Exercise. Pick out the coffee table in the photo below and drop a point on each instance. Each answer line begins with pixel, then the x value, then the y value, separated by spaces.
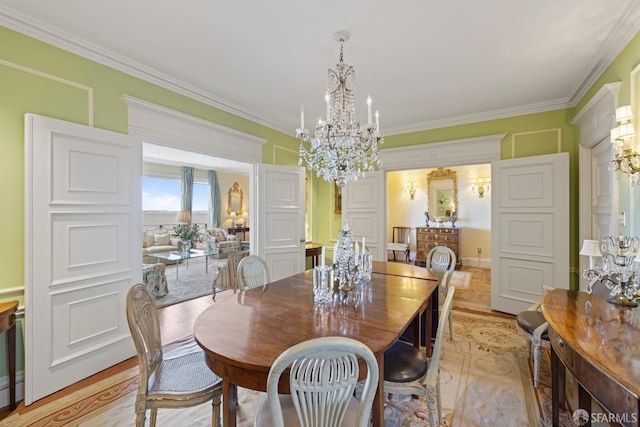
pixel 178 256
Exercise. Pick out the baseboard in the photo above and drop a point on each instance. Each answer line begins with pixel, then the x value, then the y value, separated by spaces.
pixel 4 389
pixel 476 262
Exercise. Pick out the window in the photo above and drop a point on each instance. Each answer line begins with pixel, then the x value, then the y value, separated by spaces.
pixel 163 194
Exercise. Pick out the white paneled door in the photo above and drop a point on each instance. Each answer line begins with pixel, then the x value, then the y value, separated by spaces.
pixel 529 229
pixel 281 219
pixel 82 250
pixel 363 206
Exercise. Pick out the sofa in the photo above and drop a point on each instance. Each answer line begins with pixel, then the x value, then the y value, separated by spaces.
pixel 157 241
pixel 224 241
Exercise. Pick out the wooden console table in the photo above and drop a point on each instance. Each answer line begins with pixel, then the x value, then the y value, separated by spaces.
pixel 236 230
pixel 313 250
pixel 8 325
pixel 598 343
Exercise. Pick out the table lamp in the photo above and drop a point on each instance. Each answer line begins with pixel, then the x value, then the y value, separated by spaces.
pixel 590 248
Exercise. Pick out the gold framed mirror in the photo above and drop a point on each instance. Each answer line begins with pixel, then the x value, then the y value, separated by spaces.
pixel 235 200
pixel 443 194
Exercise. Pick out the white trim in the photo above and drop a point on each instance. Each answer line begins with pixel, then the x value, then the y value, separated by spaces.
pixel 9 291
pixel 169 127
pixel 476 262
pixel 4 389
pixel 594 122
pixel 619 37
pixel 88 89
pixel 468 151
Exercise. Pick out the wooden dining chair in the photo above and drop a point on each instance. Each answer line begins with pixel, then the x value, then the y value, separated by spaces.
pixel 403 361
pixel 439 260
pixel 252 272
pixel 400 241
pixel 323 376
pixel 177 382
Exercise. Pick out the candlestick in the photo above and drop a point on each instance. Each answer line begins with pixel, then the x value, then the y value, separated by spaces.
pixel 369 109
pixel 322 257
pixel 362 244
pixel 326 98
pixel 335 252
pixel 377 121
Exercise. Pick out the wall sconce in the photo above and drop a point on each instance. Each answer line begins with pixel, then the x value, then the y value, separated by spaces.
pixel 482 185
pixel 410 188
pixel 626 159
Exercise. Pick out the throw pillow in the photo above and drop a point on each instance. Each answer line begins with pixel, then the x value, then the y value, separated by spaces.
pixel 145 239
pixel 161 239
pixel 219 234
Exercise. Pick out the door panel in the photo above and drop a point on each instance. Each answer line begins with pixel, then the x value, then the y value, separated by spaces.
pixel 362 206
pixel 530 229
pixel 280 214
pixel 82 250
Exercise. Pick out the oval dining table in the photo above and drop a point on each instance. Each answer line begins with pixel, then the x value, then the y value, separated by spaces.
pixel 242 334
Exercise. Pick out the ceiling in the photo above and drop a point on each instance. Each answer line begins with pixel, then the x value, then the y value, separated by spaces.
pixel 425 63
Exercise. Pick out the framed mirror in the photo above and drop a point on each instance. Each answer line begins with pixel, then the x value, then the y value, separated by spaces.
pixel 443 194
pixel 235 199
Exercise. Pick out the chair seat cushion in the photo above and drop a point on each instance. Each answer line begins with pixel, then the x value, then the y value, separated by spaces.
pixel 404 363
pixel 397 246
pixel 530 320
pixel 187 373
pixel 290 416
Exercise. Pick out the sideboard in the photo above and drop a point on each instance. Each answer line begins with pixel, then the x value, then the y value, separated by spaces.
pixel 429 237
pixel 598 343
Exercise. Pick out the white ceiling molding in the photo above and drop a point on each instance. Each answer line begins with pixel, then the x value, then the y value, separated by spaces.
pixel 53 36
pixel 165 126
pixel 459 152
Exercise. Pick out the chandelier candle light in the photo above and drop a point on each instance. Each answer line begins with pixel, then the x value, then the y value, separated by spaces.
pixel 342 148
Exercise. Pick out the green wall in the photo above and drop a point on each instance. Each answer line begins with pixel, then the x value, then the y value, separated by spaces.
pixel 38 78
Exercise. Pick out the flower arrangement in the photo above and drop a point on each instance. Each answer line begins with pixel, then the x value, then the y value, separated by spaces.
pixel 186 232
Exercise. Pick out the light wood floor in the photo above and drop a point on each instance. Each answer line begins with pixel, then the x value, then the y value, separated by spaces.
pixel 176 322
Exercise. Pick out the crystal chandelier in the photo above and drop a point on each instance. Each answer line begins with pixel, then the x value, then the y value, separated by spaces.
pixel 617 271
pixel 626 159
pixel 342 148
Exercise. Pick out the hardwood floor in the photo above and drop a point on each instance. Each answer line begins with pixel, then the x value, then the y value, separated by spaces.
pixel 176 322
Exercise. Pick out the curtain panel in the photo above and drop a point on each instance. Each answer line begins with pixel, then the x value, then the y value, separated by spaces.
pixel 214 200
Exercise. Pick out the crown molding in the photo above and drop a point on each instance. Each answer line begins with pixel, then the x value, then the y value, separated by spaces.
pixel 53 36
pixel 626 28
pixel 504 113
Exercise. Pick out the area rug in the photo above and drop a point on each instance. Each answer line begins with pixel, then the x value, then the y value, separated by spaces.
pixel 461 280
pixel 485 381
pixel 193 280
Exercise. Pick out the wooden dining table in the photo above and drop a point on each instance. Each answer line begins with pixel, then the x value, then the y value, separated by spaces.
pixel 242 334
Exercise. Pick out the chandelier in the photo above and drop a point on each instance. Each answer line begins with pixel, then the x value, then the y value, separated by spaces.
pixel 342 148
pixel 617 271
pixel 626 159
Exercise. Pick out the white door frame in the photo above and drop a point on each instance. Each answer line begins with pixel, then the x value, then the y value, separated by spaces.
pixel 459 152
pixel 594 122
pixel 164 126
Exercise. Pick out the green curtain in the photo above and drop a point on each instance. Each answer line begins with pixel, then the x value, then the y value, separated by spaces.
pixel 214 200
pixel 187 189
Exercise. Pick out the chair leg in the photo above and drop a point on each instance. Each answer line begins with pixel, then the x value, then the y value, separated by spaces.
pixel 536 365
pixel 450 327
pixel 528 349
pixel 217 398
pixel 140 418
pixel 152 418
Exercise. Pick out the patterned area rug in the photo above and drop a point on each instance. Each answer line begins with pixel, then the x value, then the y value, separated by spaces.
pixel 485 381
pixel 192 280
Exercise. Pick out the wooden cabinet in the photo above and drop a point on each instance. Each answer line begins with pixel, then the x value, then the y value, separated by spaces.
pixel 429 237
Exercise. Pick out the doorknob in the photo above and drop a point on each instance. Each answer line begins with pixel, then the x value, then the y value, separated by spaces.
pixel 302 240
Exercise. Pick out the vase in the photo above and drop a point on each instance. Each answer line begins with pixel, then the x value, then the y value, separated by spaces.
pixel 186 245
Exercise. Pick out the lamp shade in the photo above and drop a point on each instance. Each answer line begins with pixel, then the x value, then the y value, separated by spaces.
pixel 590 248
pixel 624 114
pixel 183 217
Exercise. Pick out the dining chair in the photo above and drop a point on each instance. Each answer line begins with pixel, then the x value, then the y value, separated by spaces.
pixel 226 278
pixel 533 326
pixel 322 379
pixel 402 361
pixel 439 260
pixel 400 241
pixel 252 272
pixel 176 382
